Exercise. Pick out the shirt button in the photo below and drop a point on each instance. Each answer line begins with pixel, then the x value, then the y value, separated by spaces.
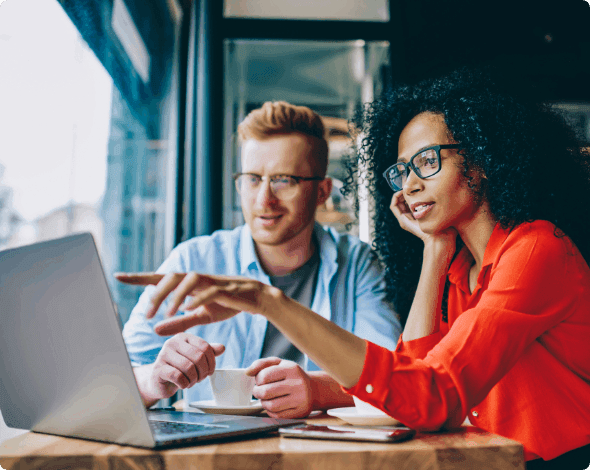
pixel 475 413
pixel 369 388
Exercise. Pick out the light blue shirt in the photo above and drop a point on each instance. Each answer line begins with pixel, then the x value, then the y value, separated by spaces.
pixel 350 292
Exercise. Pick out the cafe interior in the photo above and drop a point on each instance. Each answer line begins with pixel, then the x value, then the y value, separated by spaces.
pixel 133 108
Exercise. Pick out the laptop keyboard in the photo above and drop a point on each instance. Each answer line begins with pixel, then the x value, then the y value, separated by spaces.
pixel 170 427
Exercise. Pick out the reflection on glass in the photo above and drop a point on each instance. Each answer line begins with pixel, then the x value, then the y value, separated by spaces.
pixel 351 10
pixel 73 156
pixel 332 78
pixel 56 100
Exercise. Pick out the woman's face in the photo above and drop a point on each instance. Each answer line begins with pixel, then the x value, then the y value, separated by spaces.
pixel 443 200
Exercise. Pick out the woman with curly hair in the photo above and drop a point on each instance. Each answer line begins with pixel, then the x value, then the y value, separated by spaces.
pixel 482 222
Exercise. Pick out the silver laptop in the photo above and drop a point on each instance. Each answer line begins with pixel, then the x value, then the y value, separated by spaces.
pixel 64 368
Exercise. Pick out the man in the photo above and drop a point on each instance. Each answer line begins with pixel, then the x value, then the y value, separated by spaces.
pixel 284 162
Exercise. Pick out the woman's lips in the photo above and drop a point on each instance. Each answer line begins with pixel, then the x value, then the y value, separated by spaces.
pixel 422 210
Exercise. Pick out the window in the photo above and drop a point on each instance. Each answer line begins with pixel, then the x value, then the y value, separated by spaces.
pixel 84 147
pixel 333 78
pixel 374 10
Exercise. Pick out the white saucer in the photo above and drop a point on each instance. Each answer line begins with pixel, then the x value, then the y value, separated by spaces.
pixel 209 406
pixel 352 416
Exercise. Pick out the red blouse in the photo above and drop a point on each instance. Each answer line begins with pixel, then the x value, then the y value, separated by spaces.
pixel 515 354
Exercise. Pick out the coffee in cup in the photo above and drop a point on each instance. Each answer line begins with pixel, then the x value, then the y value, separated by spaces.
pixel 232 387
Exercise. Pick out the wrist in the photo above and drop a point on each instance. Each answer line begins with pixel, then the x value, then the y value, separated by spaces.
pixel 437 249
pixel 272 299
pixel 143 377
pixel 316 395
pixel 326 392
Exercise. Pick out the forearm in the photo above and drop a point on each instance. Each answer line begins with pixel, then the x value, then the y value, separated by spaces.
pixel 142 377
pixel 335 350
pixel 327 393
pixel 428 297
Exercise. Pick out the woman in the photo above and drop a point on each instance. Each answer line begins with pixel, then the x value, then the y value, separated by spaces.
pixel 487 240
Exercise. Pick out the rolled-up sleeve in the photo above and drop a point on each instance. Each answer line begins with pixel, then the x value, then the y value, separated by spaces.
pixel 432 382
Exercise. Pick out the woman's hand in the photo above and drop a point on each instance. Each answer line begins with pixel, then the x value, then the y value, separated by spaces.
pixel 445 239
pixel 215 298
pixel 204 298
pixel 404 216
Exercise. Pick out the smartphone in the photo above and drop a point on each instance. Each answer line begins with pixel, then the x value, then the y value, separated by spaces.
pixel 348 433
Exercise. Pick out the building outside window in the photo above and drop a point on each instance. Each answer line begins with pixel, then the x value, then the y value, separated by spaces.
pixel 79 152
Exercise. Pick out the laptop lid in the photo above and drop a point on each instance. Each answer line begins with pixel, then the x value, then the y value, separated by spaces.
pixel 64 367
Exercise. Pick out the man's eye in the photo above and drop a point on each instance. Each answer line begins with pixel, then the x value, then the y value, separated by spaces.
pixel 283 180
pixel 253 180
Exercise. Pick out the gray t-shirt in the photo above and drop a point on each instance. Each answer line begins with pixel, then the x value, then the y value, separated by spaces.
pixel 300 286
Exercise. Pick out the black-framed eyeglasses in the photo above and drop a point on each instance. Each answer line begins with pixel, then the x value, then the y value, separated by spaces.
pixel 284 187
pixel 425 163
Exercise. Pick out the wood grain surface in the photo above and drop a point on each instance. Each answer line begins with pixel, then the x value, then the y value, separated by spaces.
pixel 470 448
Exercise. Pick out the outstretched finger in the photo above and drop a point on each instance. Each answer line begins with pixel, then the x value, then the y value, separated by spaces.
pixel 139 279
pixel 181 291
pixel 219 295
pixel 174 325
pixel 166 285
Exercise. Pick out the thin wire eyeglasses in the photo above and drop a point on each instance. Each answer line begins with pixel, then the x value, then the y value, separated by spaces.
pixel 425 163
pixel 283 187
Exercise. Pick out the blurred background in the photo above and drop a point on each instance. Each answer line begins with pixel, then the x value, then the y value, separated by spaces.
pixel 119 117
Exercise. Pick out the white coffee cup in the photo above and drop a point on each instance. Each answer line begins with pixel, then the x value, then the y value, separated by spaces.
pixel 365 408
pixel 232 387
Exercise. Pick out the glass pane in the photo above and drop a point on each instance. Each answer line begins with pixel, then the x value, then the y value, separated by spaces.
pixel 351 10
pixel 578 116
pixel 332 78
pixel 73 155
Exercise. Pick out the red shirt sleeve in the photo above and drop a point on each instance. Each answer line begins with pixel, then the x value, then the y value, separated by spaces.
pixel 418 348
pixel 531 286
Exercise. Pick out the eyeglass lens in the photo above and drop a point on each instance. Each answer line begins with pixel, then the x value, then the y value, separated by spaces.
pixel 425 164
pixel 283 187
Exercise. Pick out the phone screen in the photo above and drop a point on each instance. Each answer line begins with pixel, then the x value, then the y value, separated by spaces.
pixel 348 433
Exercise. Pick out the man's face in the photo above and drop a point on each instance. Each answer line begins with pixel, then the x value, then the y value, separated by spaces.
pixel 274 221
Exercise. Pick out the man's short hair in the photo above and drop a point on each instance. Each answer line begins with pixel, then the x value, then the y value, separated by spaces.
pixel 280 118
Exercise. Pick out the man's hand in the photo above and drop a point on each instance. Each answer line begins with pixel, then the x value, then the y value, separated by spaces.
pixel 183 361
pixel 283 388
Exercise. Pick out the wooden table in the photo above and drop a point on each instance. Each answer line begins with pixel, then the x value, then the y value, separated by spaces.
pixel 470 448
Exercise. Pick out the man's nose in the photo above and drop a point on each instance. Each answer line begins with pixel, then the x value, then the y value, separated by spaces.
pixel 265 195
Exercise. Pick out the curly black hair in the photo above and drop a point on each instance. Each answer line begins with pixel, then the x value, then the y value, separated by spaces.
pixel 536 167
